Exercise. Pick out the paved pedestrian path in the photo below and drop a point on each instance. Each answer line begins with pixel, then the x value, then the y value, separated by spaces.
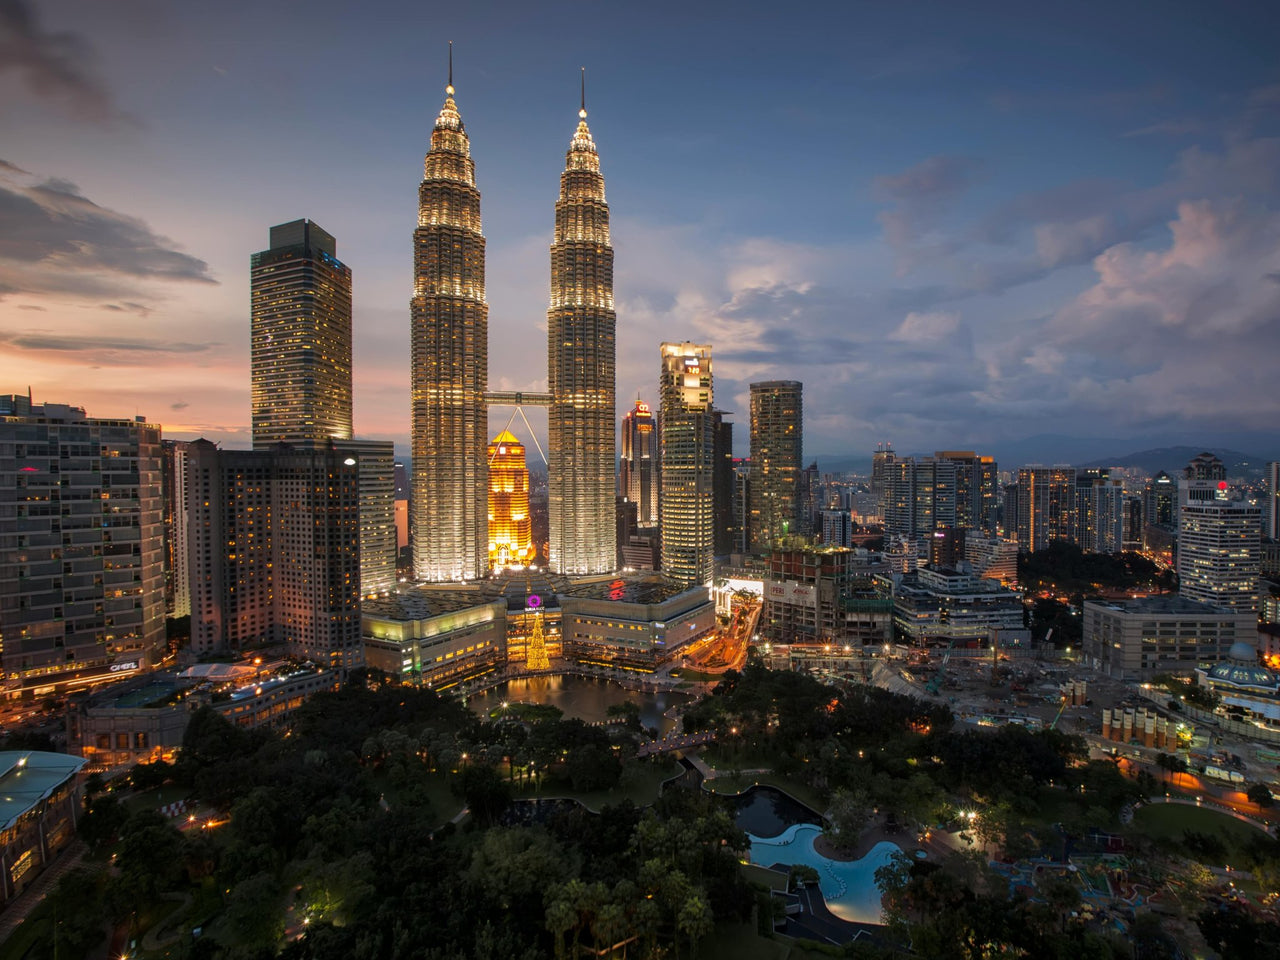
pixel 20 908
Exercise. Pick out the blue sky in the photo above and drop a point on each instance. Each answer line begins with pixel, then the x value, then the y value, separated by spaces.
pixel 958 224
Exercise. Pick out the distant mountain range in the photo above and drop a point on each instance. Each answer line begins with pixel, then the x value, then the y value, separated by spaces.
pixel 1173 459
pixel 1092 452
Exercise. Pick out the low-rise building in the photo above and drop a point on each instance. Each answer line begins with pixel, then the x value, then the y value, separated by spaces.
pixel 145 718
pixel 633 623
pixel 1138 638
pixel 948 604
pixel 1249 692
pixel 436 635
pixel 39 800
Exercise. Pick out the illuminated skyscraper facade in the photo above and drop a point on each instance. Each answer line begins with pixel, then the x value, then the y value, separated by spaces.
pixel 776 448
pixel 81 544
pixel 581 369
pixel 510 527
pixel 450 356
pixel 1046 506
pixel 300 355
pixel 639 463
pixel 687 431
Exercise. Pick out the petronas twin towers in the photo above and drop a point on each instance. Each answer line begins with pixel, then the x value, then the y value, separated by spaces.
pixel 450 365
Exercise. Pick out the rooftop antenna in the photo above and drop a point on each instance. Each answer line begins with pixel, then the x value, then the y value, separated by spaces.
pixel 449 88
pixel 582 110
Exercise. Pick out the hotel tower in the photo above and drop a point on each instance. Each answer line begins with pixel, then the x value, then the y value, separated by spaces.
pixel 581 368
pixel 450 354
pixel 300 356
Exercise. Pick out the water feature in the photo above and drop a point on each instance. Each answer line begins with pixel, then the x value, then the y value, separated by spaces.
pixel 587 698
pixel 848 887
pixel 767 812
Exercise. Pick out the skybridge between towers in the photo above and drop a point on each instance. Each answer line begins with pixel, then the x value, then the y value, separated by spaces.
pixel 519 399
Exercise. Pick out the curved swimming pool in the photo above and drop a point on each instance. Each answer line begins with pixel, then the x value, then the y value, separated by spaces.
pixel 848 887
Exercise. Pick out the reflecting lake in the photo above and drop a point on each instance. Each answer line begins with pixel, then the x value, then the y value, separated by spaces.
pixel 583 697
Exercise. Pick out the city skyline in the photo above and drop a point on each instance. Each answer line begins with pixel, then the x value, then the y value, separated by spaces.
pixel 955 234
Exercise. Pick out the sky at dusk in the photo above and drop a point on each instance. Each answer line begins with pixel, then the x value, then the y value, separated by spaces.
pixel 959 224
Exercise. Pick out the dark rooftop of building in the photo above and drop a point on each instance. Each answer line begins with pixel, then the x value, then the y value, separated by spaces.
pixel 1167 603
pixel 629 588
pixel 423 601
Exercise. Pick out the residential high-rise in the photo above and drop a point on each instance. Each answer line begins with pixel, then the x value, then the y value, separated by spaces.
pixel 777 437
pixel 1046 506
pixel 919 496
pixel 639 463
pixel 976 480
pixel 177 569
pixel 300 353
pixel 82 541
pixel 1272 518
pixel 449 347
pixel 1099 511
pixel 687 437
pixel 510 526
pixel 581 370
pixel 1219 549
pixel 274 544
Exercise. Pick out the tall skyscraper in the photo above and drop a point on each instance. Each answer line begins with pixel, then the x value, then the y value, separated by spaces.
pixel 1046 506
pixel 81 543
pixel 722 483
pixel 777 438
pixel 1272 518
pixel 639 463
pixel 687 434
pixel 301 372
pixel 1219 549
pixel 510 526
pixel 450 362
pixel 300 354
pixel 581 368
pixel 883 456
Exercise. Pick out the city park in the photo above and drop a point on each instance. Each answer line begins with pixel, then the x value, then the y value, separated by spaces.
pixel 810 819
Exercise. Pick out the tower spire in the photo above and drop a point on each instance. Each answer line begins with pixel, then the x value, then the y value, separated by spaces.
pixel 582 110
pixel 449 88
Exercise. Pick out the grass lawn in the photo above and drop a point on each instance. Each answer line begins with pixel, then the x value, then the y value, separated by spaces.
pixel 157 798
pixel 445 805
pixel 1170 820
pixel 739 941
pixel 640 783
pixel 766 878
pixel 685 673
pixel 801 791
pixel 724 756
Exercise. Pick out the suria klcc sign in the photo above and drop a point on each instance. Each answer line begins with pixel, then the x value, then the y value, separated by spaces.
pixel 789 591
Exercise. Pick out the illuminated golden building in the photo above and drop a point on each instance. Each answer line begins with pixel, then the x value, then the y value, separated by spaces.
pixel 510 528
pixel 581 368
pixel 449 362
pixel 300 350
